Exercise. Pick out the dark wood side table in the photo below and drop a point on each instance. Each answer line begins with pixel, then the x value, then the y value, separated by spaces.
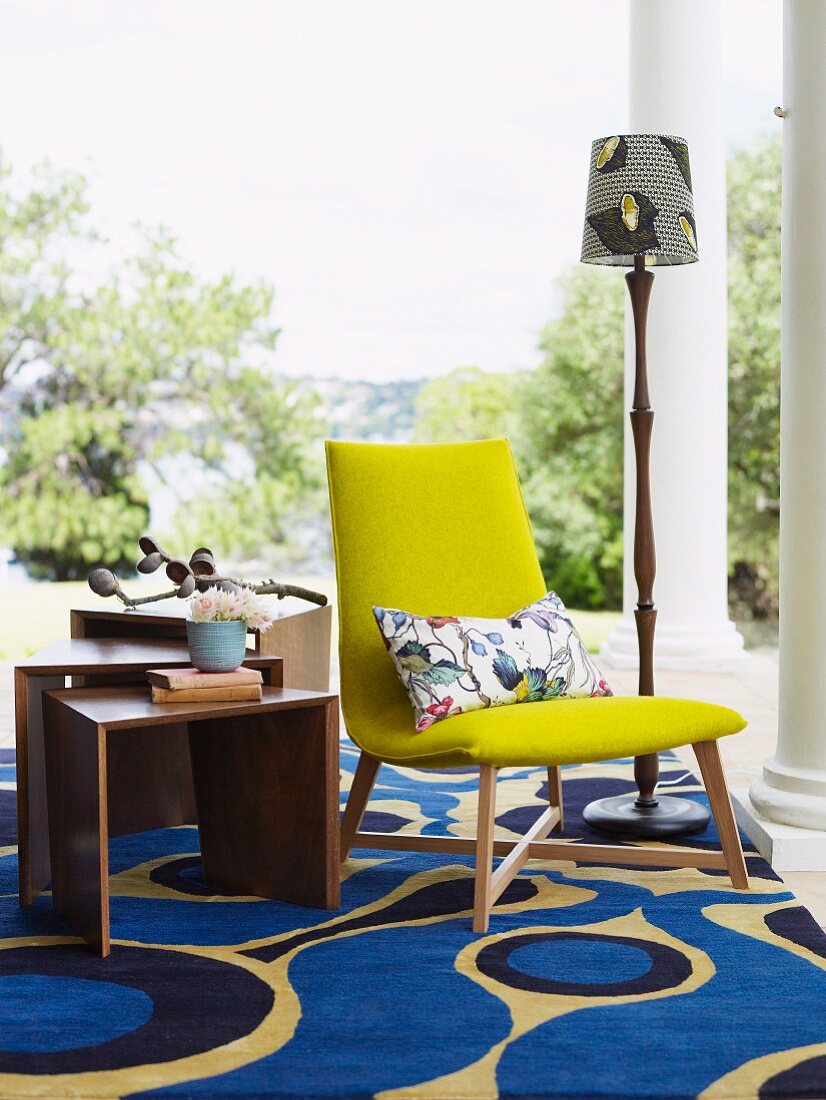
pixel 301 637
pixel 149 775
pixel 266 791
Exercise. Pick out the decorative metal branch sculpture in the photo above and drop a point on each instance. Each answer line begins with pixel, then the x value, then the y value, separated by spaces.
pixel 200 573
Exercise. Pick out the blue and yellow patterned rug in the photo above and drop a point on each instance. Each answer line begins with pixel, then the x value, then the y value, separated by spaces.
pixel 595 981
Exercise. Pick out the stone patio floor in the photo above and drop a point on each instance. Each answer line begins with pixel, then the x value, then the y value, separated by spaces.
pixel 752 690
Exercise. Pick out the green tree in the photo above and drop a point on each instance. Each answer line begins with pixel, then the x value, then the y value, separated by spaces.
pixel 264 497
pixel 468 403
pixel 146 369
pixel 564 420
pixel 569 441
pixel 754 375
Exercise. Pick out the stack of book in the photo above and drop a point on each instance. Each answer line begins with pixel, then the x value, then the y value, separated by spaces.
pixel 188 685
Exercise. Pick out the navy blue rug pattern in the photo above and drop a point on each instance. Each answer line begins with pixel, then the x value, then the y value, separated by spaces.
pixel 594 980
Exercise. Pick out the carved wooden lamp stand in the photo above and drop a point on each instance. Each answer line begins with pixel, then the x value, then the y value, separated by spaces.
pixel 640 213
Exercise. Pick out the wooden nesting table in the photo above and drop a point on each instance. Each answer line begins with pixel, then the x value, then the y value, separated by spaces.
pixel 149 775
pixel 301 636
pixel 265 778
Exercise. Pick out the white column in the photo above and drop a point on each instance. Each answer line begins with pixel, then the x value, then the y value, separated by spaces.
pixel 676 88
pixel 792 789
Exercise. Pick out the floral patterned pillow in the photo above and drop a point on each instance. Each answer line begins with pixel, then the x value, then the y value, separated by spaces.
pixel 449 665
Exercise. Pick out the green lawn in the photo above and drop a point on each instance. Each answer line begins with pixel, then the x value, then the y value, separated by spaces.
pixel 35 615
pixel 595 626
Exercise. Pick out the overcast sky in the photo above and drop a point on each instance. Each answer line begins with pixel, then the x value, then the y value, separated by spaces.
pixel 409 174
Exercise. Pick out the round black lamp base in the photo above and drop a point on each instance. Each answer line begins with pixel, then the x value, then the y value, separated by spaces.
pixel 665 817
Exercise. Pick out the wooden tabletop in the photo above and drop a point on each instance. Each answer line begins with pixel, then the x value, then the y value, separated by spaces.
pixel 75 656
pixel 156 612
pixel 175 611
pixel 127 707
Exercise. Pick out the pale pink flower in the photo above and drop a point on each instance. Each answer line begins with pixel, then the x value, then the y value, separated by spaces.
pixel 216 605
pixel 203 606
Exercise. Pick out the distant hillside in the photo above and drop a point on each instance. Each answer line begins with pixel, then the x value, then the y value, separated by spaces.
pixel 380 412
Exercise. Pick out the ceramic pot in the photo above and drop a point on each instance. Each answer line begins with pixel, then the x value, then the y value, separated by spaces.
pixel 217 647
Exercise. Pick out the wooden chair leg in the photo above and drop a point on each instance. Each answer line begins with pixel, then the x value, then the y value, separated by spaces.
pixel 483 892
pixel 711 767
pixel 555 796
pixel 363 780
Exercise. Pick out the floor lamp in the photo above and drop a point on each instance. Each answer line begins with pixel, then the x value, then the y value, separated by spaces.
pixel 640 213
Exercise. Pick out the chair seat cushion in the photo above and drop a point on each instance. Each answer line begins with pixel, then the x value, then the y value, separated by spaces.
pixel 568 731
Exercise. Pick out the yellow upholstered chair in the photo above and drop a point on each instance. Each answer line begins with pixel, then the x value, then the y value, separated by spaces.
pixel 442 530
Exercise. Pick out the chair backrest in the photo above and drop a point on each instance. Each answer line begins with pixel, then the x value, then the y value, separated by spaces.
pixel 435 529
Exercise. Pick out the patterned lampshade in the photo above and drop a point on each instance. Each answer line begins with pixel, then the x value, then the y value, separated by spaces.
pixel 639 202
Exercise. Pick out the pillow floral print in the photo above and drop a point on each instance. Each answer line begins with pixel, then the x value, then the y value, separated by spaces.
pixel 450 665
